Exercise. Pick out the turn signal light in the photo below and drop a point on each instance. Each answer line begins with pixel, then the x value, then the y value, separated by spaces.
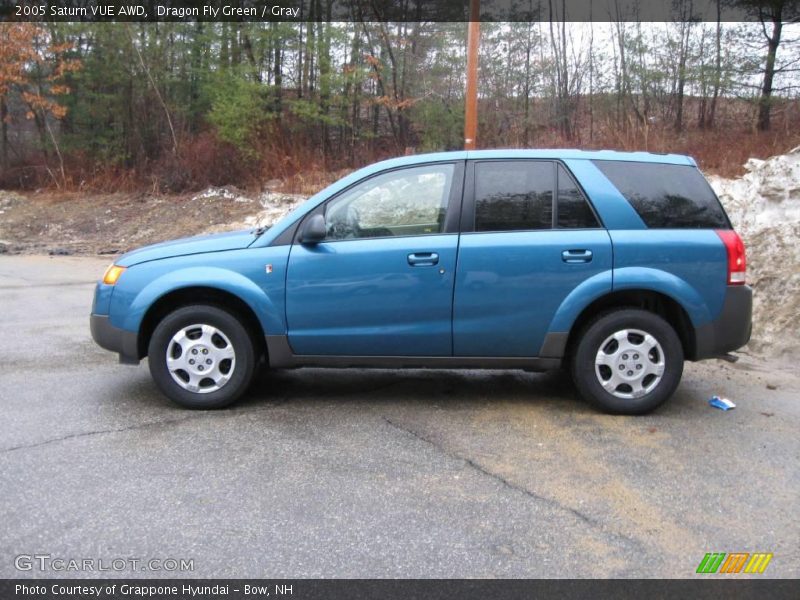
pixel 112 274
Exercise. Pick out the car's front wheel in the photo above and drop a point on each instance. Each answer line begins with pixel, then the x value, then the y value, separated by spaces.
pixel 201 357
pixel 627 361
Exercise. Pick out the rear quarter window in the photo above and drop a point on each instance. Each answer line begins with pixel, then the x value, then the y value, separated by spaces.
pixel 666 196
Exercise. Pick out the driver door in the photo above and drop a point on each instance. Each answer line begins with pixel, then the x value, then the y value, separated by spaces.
pixel 381 282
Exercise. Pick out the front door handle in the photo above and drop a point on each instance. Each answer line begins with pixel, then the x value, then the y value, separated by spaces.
pixel 576 256
pixel 423 259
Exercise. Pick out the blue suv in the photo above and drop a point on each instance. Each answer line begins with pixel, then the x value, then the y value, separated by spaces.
pixel 619 266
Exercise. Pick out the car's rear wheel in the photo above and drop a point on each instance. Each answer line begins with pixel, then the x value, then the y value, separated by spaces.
pixel 201 356
pixel 627 361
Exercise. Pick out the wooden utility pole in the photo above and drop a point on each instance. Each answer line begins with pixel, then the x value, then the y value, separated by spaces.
pixel 471 95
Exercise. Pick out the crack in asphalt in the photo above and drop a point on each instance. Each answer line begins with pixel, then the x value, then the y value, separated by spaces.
pixel 510 484
pixel 133 427
pixel 82 434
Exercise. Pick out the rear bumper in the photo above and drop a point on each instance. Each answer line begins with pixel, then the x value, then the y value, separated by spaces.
pixel 115 339
pixel 732 329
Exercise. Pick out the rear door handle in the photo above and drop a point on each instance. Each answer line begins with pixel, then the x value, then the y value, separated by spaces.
pixel 576 256
pixel 423 259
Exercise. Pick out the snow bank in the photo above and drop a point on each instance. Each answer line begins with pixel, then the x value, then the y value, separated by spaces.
pixel 764 206
pixel 274 206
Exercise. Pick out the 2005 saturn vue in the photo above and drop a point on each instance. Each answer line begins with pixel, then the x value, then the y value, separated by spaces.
pixel 617 265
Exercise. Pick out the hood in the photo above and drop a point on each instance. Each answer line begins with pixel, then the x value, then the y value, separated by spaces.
pixel 216 242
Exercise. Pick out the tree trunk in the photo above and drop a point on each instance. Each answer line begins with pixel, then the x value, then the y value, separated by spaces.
pixel 773 41
pixel 324 60
pixel 277 70
pixel 195 77
pixel 559 48
pixel 236 54
pixel 247 45
pixel 308 56
pixel 223 50
pixel 3 135
pixel 686 29
pixel 565 93
pixel 300 55
pixel 591 74
pixel 712 110
pixel 355 102
pixel 527 88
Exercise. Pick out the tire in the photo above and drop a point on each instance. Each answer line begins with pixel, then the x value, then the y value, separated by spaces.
pixel 223 355
pixel 627 361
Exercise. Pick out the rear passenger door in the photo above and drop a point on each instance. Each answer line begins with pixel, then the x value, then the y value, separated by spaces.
pixel 529 238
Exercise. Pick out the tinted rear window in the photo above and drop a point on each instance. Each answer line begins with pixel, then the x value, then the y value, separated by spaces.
pixel 574 211
pixel 514 196
pixel 666 196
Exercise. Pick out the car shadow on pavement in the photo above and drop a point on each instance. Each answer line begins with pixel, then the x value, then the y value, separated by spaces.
pixel 414 386
pixel 552 390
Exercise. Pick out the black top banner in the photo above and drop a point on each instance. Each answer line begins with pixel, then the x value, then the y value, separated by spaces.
pixel 399 10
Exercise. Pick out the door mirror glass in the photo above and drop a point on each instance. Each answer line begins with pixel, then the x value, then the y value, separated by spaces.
pixel 314 230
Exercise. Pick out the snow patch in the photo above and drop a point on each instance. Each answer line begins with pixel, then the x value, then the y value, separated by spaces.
pixel 221 193
pixel 9 200
pixel 274 206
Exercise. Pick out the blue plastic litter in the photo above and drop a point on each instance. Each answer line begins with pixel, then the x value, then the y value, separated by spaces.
pixel 721 403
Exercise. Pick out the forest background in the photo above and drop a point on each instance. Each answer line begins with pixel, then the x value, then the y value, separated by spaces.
pixel 176 107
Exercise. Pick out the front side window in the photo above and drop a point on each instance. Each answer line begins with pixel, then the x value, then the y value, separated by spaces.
pixel 399 203
pixel 514 195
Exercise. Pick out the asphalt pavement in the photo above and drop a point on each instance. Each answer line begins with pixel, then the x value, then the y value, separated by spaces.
pixel 357 473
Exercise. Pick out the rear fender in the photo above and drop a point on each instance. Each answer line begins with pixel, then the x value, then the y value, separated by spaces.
pixel 578 299
pixel 656 280
pixel 631 278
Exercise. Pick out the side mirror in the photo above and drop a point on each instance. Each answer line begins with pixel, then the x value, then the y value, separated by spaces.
pixel 314 230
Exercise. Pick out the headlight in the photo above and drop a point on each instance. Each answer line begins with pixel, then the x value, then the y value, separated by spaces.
pixel 112 274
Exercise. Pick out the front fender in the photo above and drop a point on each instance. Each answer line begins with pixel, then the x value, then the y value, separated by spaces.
pixel 226 280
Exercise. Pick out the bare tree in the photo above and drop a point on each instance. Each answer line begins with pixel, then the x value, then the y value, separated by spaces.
pixel 685 23
pixel 771 15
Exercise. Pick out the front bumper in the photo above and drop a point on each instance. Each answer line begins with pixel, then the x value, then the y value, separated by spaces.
pixel 115 339
pixel 732 329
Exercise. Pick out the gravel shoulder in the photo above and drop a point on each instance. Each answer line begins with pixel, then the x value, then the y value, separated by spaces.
pixel 109 224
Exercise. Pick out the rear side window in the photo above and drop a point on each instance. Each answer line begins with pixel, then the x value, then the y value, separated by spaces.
pixel 574 211
pixel 514 195
pixel 666 196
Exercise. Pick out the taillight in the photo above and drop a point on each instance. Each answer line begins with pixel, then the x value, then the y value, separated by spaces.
pixel 737 262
